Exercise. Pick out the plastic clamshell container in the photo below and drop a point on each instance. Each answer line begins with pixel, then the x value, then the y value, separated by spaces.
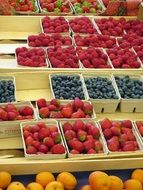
pixel 126 153
pixel 30 67
pixel 42 156
pixel 10 129
pixel 80 78
pixel 7 78
pixel 130 105
pixel 64 102
pixel 101 139
pixel 63 33
pixel 104 105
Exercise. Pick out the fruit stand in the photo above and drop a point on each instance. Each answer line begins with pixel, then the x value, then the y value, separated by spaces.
pixel 66 79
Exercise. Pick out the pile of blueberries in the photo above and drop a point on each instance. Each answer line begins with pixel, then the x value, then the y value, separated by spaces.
pixel 67 87
pixel 129 87
pixel 7 91
pixel 100 88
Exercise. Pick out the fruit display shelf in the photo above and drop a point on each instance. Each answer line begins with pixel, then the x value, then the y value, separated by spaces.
pixel 32 84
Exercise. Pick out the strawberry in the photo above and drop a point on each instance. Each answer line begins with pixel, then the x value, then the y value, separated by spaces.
pixel 67 126
pixel 43 148
pixel 58 149
pixel 113 147
pixel 41 103
pixel 77 145
pixel 44 132
pixel 87 108
pixel 26 110
pixel 44 112
pixel 98 146
pixel 141 131
pixel 81 135
pixel 107 133
pixel 3 116
pixel 52 108
pixel 31 150
pixel 29 140
pixel 88 144
pixel 56 137
pixel 73 151
pixel 10 107
pixel 54 114
pixel 48 141
pixel 127 123
pixel 94 131
pixel 115 131
pixel 55 102
pixel 91 151
pixel 78 125
pixel 36 144
pixel 105 124
pixel 69 135
pixel 67 112
pixel 11 116
pixel 77 103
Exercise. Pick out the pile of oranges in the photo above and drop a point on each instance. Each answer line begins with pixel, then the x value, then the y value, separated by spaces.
pixel 43 181
pixel 98 180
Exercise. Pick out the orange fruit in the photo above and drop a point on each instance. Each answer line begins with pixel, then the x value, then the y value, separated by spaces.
pixel 116 183
pixel 16 185
pixel 99 180
pixel 86 187
pixel 34 186
pixel 5 179
pixel 68 180
pixel 132 184
pixel 54 185
pixel 137 174
pixel 44 178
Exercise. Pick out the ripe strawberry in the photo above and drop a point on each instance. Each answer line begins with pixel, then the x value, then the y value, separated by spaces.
pixel 44 112
pixel 73 151
pixel 87 108
pixel 129 147
pixel 48 141
pixel 91 151
pixel 106 123
pixel 26 110
pixel 54 114
pixel 112 8
pixel 94 131
pixel 11 116
pixel 55 102
pixel 107 133
pixel 113 147
pixel 41 103
pixel 53 128
pixel 69 134
pixel 56 137
pixel 44 132
pixel 77 103
pixel 88 144
pixel 35 128
pixel 31 150
pixel 67 112
pixel 77 145
pixel 115 131
pixel 127 123
pixel 78 125
pixel 67 126
pixel 141 131
pixel 10 107
pixel 98 146
pixel 43 148
pixel 52 108
pixel 81 135
pixel 36 144
pixel 29 140
pixel 58 149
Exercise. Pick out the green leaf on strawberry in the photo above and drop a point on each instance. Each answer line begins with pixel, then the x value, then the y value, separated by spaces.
pixel 86 4
pixel 92 10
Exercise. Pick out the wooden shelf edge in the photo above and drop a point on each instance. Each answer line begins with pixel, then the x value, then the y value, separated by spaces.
pixel 21 166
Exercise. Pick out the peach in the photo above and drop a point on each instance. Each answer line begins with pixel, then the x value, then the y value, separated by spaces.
pixel 99 180
pixel 5 179
pixel 34 186
pixel 138 174
pixel 86 187
pixel 116 183
pixel 54 185
pixel 16 185
pixel 132 184
pixel 44 178
pixel 68 180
